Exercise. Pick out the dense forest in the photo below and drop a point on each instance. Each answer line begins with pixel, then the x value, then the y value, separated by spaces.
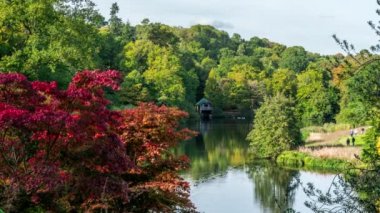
pixel 176 66
pixel 171 67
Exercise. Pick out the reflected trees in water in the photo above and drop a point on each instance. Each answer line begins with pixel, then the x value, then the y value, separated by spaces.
pixel 217 147
pixel 274 187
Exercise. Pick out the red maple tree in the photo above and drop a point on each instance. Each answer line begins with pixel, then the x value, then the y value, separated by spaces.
pixel 64 150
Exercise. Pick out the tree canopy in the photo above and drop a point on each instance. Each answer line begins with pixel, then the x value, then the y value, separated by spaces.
pixel 64 149
pixel 275 128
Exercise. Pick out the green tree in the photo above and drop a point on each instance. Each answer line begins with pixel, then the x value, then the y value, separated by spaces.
pixel 358 190
pixel 316 103
pixel 115 23
pixel 360 95
pixel 113 37
pixel 160 34
pixel 134 89
pixel 48 40
pixel 162 77
pixel 245 91
pixel 275 128
pixel 294 58
pixel 213 90
pixel 235 85
pixel 204 68
pixel 209 38
pixel 284 81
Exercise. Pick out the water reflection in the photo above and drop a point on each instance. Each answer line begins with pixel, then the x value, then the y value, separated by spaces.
pixel 220 145
pixel 223 180
pixel 274 187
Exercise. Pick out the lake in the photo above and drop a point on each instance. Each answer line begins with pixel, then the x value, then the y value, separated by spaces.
pixel 224 180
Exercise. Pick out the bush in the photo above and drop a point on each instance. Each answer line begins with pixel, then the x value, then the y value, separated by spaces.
pixel 275 128
pixel 64 150
pixel 299 159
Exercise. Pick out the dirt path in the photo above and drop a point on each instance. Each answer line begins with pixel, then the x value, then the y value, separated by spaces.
pixel 328 138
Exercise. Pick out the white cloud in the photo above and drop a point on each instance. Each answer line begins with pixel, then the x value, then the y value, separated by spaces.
pixel 216 23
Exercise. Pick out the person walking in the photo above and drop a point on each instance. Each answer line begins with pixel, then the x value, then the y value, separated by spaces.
pixel 353 141
pixel 351 132
pixel 348 141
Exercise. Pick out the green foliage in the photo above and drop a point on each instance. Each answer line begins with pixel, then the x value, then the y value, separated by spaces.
pixel 41 38
pixel 327 127
pixel 302 160
pixel 275 128
pixel 235 83
pixel 175 66
pixel 361 95
pixel 209 38
pixel 354 113
pixel 294 58
pixel 284 81
pixel 370 152
pixel 238 88
pixel 203 70
pixel 365 85
pixel 164 64
pixel 316 103
pixel 365 181
pixel 160 34
pixel 157 74
pixel 113 38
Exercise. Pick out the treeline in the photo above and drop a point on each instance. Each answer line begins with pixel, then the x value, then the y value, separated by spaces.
pixel 174 66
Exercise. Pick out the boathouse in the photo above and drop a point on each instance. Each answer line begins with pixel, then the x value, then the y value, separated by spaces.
pixel 204 108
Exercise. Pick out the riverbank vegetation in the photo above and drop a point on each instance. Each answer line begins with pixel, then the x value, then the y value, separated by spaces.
pixel 298 159
pixel 57 127
pixel 326 144
pixel 356 90
pixel 275 128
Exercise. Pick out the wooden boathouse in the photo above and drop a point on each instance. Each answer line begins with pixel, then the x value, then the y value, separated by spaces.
pixel 204 108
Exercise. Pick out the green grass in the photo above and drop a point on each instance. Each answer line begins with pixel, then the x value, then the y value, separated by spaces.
pixel 327 127
pixel 305 133
pixel 303 160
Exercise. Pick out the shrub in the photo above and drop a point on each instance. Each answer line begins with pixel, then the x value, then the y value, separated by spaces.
pixel 300 159
pixel 64 150
pixel 275 128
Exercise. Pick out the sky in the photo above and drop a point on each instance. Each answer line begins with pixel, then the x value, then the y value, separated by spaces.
pixel 307 23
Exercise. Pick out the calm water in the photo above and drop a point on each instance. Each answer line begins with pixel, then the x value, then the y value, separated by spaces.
pixel 223 180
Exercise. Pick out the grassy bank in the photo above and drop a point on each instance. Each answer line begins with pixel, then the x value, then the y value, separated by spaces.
pixel 309 161
pixel 325 148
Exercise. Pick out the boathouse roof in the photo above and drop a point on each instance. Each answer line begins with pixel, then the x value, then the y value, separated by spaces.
pixel 203 101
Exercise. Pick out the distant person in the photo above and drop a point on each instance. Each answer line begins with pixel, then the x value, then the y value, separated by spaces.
pixel 348 141
pixel 353 141
pixel 351 132
pixel 363 130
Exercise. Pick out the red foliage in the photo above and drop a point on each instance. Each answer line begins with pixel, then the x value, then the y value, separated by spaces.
pixel 65 149
pixel 149 132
